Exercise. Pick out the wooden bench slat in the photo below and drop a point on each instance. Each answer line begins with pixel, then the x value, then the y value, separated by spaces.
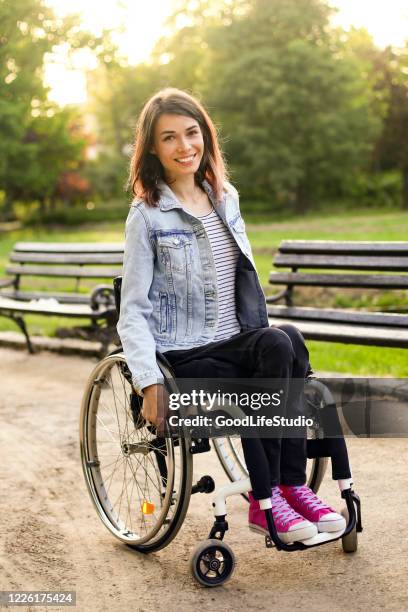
pixel 343 247
pixel 343 262
pixel 63 271
pixel 67 258
pixel 349 334
pixel 6 282
pixel 67 298
pixel 364 281
pixel 350 317
pixel 52 308
pixel 69 247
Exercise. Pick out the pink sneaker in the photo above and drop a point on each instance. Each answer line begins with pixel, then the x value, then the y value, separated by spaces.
pixel 290 525
pixel 304 501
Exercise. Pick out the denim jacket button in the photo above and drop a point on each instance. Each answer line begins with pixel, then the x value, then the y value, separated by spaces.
pixel 176 240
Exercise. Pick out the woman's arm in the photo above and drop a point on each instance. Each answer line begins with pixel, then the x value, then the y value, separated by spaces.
pixel 135 307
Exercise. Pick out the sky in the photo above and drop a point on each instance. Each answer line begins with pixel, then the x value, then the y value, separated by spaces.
pixel 387 22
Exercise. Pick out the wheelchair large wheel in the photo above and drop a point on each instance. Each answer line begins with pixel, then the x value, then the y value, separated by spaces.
pixel 231 456
pixel 139 483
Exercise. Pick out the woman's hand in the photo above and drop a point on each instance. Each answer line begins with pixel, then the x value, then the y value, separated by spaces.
pixel 155 404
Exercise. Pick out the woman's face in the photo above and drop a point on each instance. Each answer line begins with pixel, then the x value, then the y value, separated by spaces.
pixel 179 145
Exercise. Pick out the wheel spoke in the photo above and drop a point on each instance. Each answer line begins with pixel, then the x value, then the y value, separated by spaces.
pixel 135 480
pixel 109 431
pixel 110 475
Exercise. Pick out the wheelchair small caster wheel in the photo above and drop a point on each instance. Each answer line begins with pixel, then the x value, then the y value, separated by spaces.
pixel 349 542
pixel 212 563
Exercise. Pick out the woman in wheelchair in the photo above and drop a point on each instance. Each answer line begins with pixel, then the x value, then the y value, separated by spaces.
pixel 190 290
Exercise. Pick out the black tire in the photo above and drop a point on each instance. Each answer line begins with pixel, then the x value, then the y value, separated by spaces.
pixel 212 563
pixel 350 541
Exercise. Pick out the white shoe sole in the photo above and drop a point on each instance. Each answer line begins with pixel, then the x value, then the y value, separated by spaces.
pixel 331 525
pixel 288 537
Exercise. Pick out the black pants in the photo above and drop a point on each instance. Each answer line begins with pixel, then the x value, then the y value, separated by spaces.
pixel 274 352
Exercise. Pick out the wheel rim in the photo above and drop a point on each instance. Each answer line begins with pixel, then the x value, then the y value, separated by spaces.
pixel 230 454
pixel 318 465
pixel 214 565
pixel 132 476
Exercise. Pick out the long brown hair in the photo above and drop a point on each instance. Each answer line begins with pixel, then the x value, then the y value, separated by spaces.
pixel 146 169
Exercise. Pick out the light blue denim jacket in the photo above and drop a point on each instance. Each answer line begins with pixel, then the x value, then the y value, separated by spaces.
pixel 169 287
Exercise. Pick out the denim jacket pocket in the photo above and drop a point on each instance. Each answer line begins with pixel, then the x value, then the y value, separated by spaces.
pixel 174 248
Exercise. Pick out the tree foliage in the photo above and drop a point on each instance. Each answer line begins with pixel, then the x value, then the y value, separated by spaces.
pixel 37 139
pixel 306 112
pixel 298 119
pixel 297 115
pixel 392 147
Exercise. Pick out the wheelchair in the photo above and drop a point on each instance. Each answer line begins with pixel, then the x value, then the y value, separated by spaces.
pixel 140 482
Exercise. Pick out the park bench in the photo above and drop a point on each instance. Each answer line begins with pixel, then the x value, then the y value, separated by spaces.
pixel 323 264
pixel 343 265
pixel 81 263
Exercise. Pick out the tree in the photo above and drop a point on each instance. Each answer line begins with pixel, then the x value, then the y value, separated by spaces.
pixel 297 113
pixel 33 132
pixel 117 92
pixel 392 147
pixel 50 147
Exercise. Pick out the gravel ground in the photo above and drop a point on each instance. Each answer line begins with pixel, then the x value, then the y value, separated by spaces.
pixel 52 539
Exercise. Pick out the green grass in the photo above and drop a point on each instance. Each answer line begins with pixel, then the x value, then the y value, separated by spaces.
pixel 357 225
pixel 352 225
pixel 42 326
pixel 358 360
pixel 266 235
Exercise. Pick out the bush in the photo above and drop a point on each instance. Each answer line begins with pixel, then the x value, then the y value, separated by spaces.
pixel 107 176
pixel 381 189
pixel 90 212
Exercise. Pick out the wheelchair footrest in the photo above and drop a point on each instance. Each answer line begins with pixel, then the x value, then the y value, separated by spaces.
pixel 325 536
pixel 320 538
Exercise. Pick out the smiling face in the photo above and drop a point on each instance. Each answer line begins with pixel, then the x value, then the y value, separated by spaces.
pixel 179 145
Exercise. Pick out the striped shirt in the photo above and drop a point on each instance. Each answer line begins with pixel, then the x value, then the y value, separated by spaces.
pixel 225 252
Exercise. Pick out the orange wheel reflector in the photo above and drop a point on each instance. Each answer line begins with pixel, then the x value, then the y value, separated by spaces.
pixel 147 507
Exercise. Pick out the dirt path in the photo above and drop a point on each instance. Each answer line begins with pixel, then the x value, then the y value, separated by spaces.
pixel 52 539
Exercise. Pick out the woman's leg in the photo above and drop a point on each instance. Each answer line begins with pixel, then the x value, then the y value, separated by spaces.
pixel 293 450
pixel 294 457
pixel 263 353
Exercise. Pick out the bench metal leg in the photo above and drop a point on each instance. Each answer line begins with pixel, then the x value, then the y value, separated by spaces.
pixel 21 323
